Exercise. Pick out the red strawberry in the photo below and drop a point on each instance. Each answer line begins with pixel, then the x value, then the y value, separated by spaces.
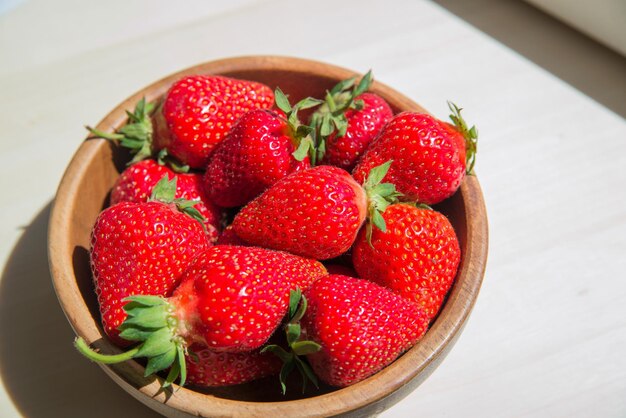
pixel 229 237
pixel 314 213
pixel 141 248
pixel 230 299
pixel 198 111
pixel 349 120
pixel 208 368
pixel 417 256
pixel 135 184
pixel 430 157
pixel 363 126
pixel 360 326
pixel 258 151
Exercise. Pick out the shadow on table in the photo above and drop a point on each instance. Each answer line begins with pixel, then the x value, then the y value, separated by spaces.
pixel 42 373
pixel 580 61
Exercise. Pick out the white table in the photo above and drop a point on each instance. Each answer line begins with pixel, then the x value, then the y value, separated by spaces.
pixel 548 332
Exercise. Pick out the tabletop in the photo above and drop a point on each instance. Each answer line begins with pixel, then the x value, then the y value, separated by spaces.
pixel 547 333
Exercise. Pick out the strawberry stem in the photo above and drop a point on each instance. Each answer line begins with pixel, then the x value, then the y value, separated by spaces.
pixel 330 117
pixel 92 355
pixel 379 197
pixel 301 134
pixel 136 135
pixel 151 322
pixel 165 191
pixel 470 135
pixel 291 359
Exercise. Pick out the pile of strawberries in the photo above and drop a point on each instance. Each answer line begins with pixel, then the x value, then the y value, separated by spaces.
pixel 242 242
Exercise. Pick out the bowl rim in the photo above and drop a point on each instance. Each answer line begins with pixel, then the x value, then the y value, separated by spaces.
pixel 422 358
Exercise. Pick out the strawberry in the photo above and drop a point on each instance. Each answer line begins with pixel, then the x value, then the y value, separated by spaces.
pixel 198 111
pixel 349 120
pixel 141 248
pixel 430 157
pixel 259 150
pixel 315 213
pixel 230 299
pixel 209 368
pixel 135 184
pixel 229 237
pixel 417 256
pixel 361 328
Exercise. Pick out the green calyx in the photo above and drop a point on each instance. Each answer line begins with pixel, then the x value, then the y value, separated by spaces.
pixel 136 135
pixel 303 135
pixel 331 116
pixel 379 197
pixel 291 358
pixel 470 135
pixel 151 323
pixel 165 192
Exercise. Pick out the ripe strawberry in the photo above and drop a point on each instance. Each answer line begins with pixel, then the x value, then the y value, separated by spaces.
pixel 259 150
pixel 135 184
pixel 314 213
pixel 209 368
pixel 141 248
pixel 349 120
pixel 360 326
pixel 430 157
pixel 230 299
pixel 416 257
pixel 229 237
pixel 198 111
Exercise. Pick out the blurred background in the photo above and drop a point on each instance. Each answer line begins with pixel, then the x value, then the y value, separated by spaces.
pixel 544 81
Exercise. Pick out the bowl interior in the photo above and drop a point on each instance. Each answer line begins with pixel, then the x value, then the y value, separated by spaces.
pixel 84 192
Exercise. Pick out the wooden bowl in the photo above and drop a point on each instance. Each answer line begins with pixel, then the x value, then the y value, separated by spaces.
pixel 84 191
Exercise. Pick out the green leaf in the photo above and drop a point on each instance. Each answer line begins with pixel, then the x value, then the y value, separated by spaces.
pixel 297 316
pixel 341 124
pixel 182 365
pixel 377 174
pixel 135 131
pixel 165 190
pixel 384 189
pixel 321 150
pixel 157 343
pixel 132 143
pixel 173 374
pixel 326 127
pixel 379 221
pixel 302 348
pixel 284 373
pixel 135 333
pixel 281 101
pixel 306 372
pixel 294 301
pixel 307 103
pixel 302 151
pixel 161 362
pixel 358 104
pixel 153 317
pixel 278 351
pixel 364 84
pixel 136 134
pixel 144 300
pixel 293 333
pixel 343 85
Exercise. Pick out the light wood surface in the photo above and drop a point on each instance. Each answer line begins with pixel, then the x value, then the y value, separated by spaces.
pixel 547 332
